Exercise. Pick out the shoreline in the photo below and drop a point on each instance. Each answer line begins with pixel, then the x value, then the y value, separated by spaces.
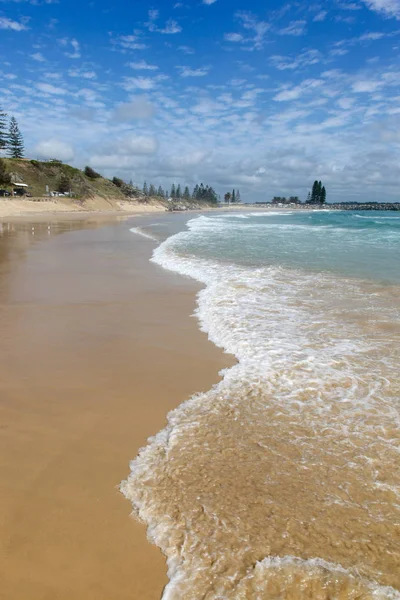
pixel 104 355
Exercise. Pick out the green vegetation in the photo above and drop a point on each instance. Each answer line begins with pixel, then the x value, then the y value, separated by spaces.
pixel 283 200
pixel 89 172
pixel 118 182
pixel 318 194
pixel 11 138
pixel 5 177
pixel 44 176
pixel 64 184
pixel 233 198
pixel 15 142
pixel 200 193
pixel 3 130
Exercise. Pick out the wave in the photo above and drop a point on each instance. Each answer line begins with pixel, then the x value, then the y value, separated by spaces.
pixel 293 453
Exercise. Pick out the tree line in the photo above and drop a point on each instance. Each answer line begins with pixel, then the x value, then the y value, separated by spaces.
pixel 200 192
pixel 233 198
pixel 11 139
pixel 316 196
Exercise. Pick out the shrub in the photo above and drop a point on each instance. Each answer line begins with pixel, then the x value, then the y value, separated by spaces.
pixel 64 184
pixel 89 172
pixel 118 182
pixel 5 178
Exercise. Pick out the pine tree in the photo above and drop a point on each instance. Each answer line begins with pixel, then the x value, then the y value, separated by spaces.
pixel 145 189
pixel 315 193
pixel 238 198
pixel 233 197
pixel 3 130
pixel 227 197
pixel 160 192
pixel 186 193
pixel 178 191
pixel 15 142
pixel 323 195
pixel 173 191
pixel 152 190
pixel 195 194
pixel 308 198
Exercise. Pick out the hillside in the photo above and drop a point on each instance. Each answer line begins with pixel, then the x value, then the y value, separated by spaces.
pixel 39 174
pixel 89 192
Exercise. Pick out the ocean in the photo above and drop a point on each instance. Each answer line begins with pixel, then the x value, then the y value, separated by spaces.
pixel 283 480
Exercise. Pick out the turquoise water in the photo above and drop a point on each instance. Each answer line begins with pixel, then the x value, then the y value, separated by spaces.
pixel 355 244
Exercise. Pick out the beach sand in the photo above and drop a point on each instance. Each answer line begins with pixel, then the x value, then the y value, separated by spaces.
pixel 97 345
pixel 65 208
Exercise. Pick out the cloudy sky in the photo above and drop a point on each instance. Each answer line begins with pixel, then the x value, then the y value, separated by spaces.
pixel 221 91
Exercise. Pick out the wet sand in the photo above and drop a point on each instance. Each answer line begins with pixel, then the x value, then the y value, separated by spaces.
pixel 97 345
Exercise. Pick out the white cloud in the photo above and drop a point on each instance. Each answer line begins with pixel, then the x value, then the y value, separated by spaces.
pixel 186 49
pixel 233 37
pixel 372 35
pixel 76 52
pixel 47 88
pixel 188 72
pixel 296 92
pixel 136 145
pixel 142 65
pixel 54 148
pixel 171 27
pixel 250 22
pixel 366 86
pixel 12 25
pixel 38 56
pixel 320 16
pixel 390 8
pixel 304 59
pixel 209 1
pixel 130 42
pixel 295 28
pixel 141 83
pixel 140 108
pixel 82 73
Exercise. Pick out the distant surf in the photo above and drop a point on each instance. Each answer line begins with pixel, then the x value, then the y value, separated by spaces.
pixel 282 481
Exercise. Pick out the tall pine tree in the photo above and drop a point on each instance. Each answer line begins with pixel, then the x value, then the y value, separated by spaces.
pixel 145 189
pixel 173 191
pixel 238 198
pixel 3 130
pixel 233 197
pixel 15 142
pixel 315 193
pixel 323 195
pixel 186 193
pixel 178 191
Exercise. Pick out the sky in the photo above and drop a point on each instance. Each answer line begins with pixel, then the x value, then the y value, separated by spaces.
pixel 261 97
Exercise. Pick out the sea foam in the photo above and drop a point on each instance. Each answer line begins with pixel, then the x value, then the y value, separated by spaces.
pixel 293 453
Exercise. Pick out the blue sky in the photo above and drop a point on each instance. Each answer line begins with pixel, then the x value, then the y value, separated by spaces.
pixel 233 94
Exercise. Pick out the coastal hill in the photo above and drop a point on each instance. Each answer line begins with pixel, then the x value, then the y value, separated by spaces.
pixel 66 185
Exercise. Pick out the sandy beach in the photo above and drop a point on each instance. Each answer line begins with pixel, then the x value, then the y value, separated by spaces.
pixel 97 346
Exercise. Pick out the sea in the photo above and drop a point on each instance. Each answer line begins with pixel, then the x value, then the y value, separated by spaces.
pixel 283 480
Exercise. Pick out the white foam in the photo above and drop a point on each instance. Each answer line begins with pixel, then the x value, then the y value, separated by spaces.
pixel 140 231
pixel 275 321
